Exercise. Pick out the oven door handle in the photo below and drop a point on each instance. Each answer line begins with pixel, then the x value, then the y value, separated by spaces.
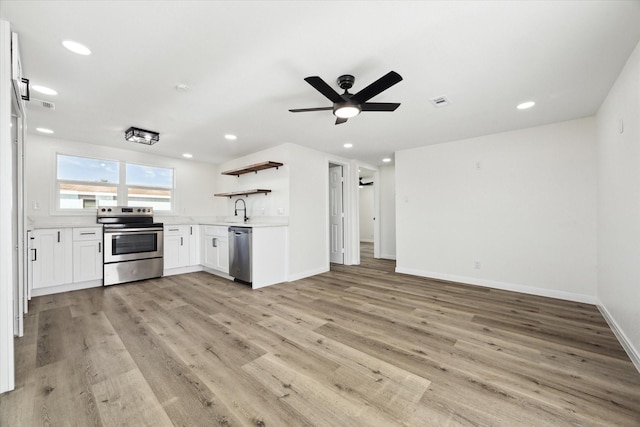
pixel 115 231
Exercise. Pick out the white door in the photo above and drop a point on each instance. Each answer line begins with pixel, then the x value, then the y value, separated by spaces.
pixel 336 215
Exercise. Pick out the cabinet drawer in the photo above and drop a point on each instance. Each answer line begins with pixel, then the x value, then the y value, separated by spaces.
pixel 175 230
pixel 216 230
pixel 87 233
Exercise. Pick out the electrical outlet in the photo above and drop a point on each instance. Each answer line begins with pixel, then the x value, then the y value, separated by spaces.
pixel 477 265
pixel 280 211
pixel 36 206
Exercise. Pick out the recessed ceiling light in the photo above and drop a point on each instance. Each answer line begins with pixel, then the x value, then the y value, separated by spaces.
pixel 76 47
pixel 230 137
pixel 386 160
pixel 187 155
pixel 525 105
pixel 348 145
pixel 44 90
pixel 44 130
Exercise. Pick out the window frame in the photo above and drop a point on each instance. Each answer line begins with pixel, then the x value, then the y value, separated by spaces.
pixel 122 197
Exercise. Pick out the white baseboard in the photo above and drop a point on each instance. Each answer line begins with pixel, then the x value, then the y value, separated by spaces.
pixel 217 273
pixel 38 292
pixel 587 299
pixel 388 256
pixel 366 240
pixel 182 270
pixel 633 354
pixel 308 273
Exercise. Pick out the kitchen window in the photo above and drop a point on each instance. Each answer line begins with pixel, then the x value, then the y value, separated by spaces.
pixel 85 183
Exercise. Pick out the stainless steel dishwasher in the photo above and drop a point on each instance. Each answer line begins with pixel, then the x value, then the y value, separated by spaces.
pixel 240 254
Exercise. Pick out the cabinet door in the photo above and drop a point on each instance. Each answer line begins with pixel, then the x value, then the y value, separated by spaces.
pixel 176 251
pixel 51 257
pixel 87 260
pixel 222 259
pixel 194 245
pixel 210 251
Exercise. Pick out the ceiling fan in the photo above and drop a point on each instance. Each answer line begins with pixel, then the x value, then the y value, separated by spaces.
pixel 350 105
pixel 362 183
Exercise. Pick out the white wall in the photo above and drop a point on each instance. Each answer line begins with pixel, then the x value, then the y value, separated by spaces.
pixel 365 195
pixel 522 204
pixel 259 206
pixel 387 188
pixel 619 206
pixel 195 181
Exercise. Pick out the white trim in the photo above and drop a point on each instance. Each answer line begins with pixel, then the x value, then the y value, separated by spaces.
pixel 38 292
pixel 308 273
pixel 633 354
pixel 182 270
pixel 6 221
pixel 569 296
pixel 217 273
pixel 388 256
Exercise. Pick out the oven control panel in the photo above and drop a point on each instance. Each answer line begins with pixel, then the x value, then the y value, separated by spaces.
pixel 125 211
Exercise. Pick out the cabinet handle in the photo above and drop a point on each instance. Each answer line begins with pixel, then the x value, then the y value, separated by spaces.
pixel 181 241
pixel 58 237
pixel 173 229
pixel 191 231
pixel 214 242
pixel 93 233
pixel 99 247
pixel 35 255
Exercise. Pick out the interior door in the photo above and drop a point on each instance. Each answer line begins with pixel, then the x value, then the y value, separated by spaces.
pixel 336 215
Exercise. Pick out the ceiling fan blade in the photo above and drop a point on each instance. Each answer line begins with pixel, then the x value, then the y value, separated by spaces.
pixel 380 85
pixel 322 87
pixel 303 110
pixel 340 120
pixel 379 106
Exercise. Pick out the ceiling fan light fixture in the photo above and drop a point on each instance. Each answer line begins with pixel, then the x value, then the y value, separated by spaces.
pixel 347 111
pixel 141 136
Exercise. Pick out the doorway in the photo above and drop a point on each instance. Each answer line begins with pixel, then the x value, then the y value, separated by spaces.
pixel 336 213
pixel 367 210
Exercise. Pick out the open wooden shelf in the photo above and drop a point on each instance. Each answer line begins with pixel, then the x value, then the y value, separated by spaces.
pixel 243 193
pixel 253 168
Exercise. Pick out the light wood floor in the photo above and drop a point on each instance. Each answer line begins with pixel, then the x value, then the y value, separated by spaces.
pixel 357 346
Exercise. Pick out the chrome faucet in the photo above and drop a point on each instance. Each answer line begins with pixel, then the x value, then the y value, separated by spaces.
pixel 246 218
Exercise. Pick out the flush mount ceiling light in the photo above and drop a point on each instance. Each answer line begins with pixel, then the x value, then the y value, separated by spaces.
pixel 44 90
pixel 386 160
pixel 348 145
pixel 141 136
pixel 44 130
pixel 187 155
pixel 525 105
pixel 76 47
pixel 230 137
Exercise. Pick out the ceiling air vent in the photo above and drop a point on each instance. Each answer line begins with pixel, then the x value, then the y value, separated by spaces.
pixel 45 104
pixel 440 101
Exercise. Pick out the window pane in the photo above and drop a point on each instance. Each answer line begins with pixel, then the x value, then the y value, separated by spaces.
pixel 72 168
pixel 149 176
pixel 159 200
pixel 81 196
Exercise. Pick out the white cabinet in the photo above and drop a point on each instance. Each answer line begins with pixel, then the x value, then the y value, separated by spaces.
pixel 181 248
pixel 50 252
pixel 215 247
pixel 176 246
pixel 87 254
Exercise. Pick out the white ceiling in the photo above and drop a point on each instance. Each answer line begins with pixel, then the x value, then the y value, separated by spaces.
pixel 245 62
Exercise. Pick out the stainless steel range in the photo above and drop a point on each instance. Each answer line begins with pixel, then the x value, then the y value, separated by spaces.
pixel 133 244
